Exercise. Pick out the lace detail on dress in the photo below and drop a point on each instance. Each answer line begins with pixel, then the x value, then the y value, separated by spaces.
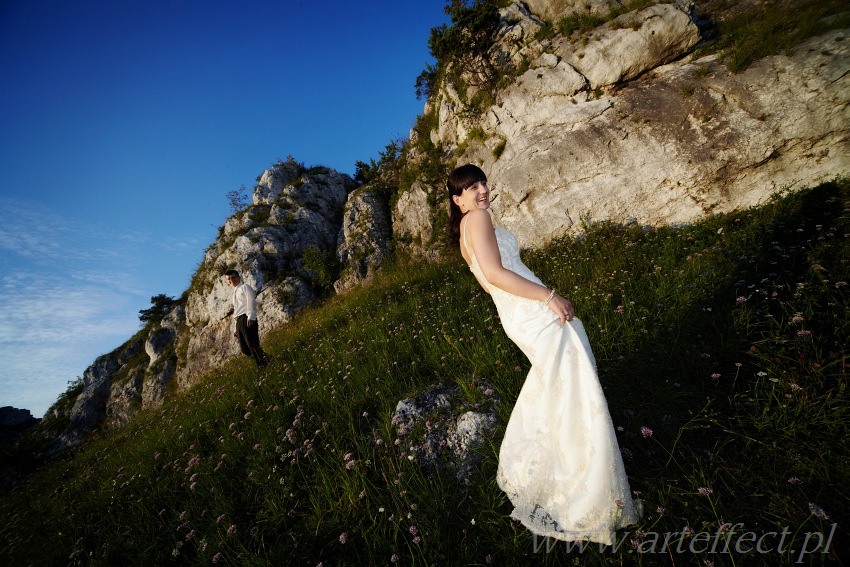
pixel 559 462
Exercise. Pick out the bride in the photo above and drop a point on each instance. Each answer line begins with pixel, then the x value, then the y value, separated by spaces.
pixel 559 462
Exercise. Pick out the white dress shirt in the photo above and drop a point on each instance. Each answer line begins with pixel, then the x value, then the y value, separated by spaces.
pixel 244 302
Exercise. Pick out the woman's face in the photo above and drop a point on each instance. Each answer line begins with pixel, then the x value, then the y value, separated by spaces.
pixel 476 196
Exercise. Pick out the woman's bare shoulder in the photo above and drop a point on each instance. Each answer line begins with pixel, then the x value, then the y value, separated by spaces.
pixel 479 218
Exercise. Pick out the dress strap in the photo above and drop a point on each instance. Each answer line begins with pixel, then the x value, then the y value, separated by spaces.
pixel 466 242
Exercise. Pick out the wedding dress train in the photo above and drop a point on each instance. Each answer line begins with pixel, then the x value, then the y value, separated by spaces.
pixel 559 462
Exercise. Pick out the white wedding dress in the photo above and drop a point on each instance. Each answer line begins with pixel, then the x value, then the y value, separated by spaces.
pixel 559 462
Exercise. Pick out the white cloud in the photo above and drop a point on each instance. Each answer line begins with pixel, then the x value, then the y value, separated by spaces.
pixel 67 296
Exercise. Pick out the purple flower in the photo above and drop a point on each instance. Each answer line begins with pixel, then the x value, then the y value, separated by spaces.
pixel 645 431
pixel 343 537
pixel 817 511
pixel 232 529
pixel 793 480
pixel 216 558
pixel 803 333
pixel 741 299
pixel 704 491
pixel 394 558
pixel 350 464
pixel 660 510
pixel 619 503
pixel 715 376
pixel 413 530
pixel 417 539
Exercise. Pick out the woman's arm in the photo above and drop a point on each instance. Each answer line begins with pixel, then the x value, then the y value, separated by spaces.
pixel 483 242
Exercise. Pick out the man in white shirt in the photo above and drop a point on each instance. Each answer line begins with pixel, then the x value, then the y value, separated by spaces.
pixel 246 329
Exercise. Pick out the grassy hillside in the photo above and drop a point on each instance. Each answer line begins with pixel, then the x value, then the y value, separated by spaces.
pixel 722 348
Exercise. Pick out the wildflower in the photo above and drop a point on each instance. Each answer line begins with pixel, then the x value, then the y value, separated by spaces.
pixel 803 333
pixel 715 376
pixel 350 464
pixel 248 415
pixel 219 519
pixel 620 309
pixel 343 537
pixel 619 503
pixel 488 392
pixel 704 491
pixel 645 431
pixel 741 299
pixel 193 486
pixel 738 365
pixel 840 284
pixel 232 529
pixel 817 511
pixel 793 480
pixel 394 558
pixel 724 527
pixel 216 558
pixel 798 318
pixel 183 514
pixel 660 510
pixel 417 539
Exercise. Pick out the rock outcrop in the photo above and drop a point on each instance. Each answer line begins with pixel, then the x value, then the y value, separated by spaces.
pixel 14 422
pixel 365 238
pixel 439 432
pixel 618 124
pixel 294 210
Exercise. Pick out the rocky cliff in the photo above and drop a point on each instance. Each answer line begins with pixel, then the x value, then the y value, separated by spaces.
pixel 625 121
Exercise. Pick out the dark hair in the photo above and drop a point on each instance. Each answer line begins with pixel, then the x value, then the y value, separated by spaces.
pixel 459 179
pixel 232 273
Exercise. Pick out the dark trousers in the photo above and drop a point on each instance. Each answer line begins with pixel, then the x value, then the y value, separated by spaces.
pixel 249 340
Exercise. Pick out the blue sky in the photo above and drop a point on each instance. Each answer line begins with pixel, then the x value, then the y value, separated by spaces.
pixel 124 123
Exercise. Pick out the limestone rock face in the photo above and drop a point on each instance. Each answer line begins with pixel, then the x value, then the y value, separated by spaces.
pixel 625 127
pixel 365 237
pixel 631 44
pixel 293 209
pixel 413 219
pixel 690 140
pixel 554 10
pixel 90 406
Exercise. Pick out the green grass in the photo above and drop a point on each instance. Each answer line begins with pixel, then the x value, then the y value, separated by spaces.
pixel 773 28
pixel 697 334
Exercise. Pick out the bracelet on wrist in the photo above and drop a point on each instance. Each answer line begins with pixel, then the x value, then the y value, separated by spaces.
pixel 548 299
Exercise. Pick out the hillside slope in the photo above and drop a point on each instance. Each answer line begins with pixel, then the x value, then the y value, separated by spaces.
pixel 721 346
